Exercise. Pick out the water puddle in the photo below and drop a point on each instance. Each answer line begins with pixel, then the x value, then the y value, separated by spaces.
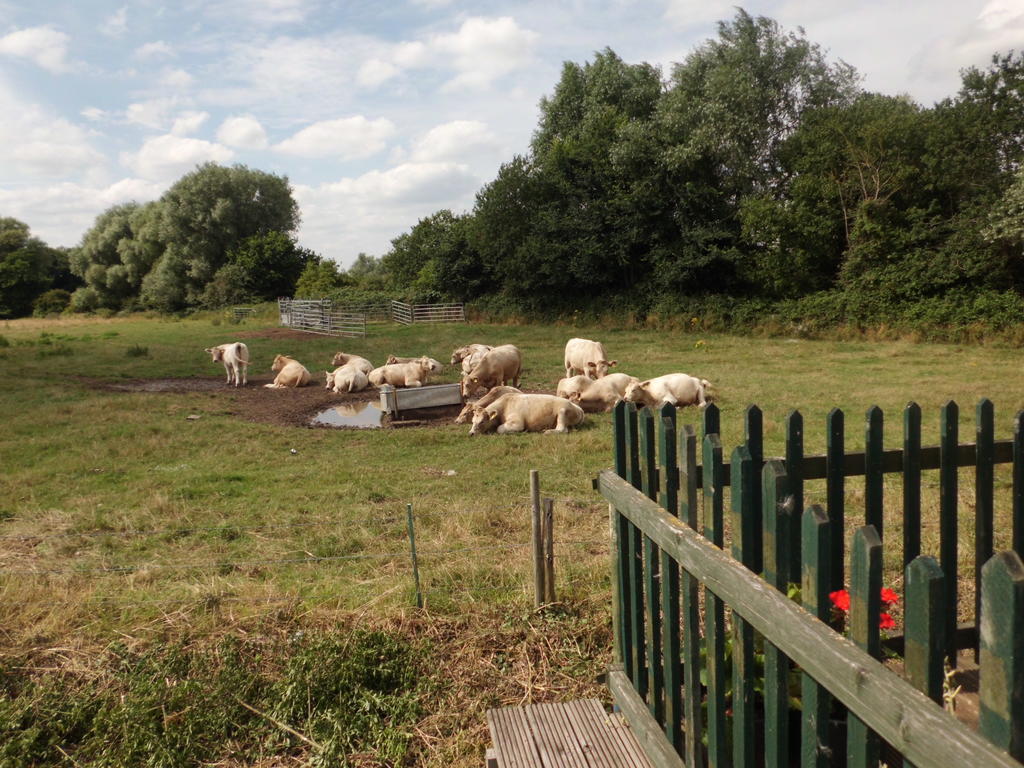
pixel 361 415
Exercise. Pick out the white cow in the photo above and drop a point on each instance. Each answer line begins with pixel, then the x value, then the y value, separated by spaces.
pixel 290 373
pixel 498 366
pixel 435 366
pixel 588 357
pixel 361 363
pixel 603 394
pixel 469 355
pixel 572 385
pixel 679 389
pixel 346 378
pixel 412 374
pixel 235 357
pixel 467 410
pixel 526 413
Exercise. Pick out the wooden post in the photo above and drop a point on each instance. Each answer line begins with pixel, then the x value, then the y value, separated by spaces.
pixel 984 517
pixel 671 646
pixel 744 482
pixel 873 477
pixel 778 521
pixel 549 550
pixel 1018 483
pixel 835 493
pixel 714 608
pixel 862 746
pixel 621 605
pixel 412 547
pixel 948 489
pixel 1002 663
pixel 911 483
pixel 817 533
pixel 538 540
pixel 925 623
pixel 692 697
pixel 652 572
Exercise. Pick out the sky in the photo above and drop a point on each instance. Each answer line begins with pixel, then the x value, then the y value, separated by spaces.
pixel 379 113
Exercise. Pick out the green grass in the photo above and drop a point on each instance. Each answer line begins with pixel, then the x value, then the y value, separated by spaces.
pixel 218 518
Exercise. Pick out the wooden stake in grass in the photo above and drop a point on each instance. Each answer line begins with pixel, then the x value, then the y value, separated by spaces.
pixel 549 550
pixel 539 591
pixel 412 547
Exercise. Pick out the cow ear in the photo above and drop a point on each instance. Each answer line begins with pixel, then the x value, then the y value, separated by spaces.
pixel 613 362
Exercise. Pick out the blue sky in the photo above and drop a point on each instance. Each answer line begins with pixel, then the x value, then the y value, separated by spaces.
pixel 378 113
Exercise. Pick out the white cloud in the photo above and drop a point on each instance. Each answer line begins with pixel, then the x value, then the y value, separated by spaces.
pixel 95 114
pixel 168 157
pixel 365 213
pixel 485 49
pixel 189 122
pixel 347 138
pixel 35 143
pixel 684 14
pixel 154 113
pixel 242 131
pixel 43 45
pixel 176 78
pixel 453 141
pixel 116 24
pixel 262 12
pixel 60 213
pixel 374 72
pixel 154 50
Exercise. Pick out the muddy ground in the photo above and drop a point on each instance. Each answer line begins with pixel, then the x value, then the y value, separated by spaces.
pixel 284 407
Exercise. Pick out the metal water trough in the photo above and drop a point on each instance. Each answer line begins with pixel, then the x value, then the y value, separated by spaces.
pixel 393 401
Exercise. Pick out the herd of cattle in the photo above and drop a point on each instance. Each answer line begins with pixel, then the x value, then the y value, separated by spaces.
pixel 587 386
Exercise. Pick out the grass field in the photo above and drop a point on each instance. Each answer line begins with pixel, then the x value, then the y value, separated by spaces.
pixel 125 523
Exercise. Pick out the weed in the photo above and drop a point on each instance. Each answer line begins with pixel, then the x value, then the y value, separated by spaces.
pixel 55 350
pixel 137 350
pixel 4 342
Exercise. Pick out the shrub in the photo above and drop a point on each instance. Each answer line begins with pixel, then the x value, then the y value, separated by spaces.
pixel 51 303
pixel 137 351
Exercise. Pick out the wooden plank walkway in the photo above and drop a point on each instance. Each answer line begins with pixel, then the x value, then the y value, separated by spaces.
pixel 576 734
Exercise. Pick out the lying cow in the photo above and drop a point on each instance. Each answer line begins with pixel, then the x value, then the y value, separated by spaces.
pixel 498 366
pixel 346 378
pixel 355 361
pixel 603 394
pixel 412 374
pixel 235 357
pixel 467 411
pixel 572 385
pixel 678 389
pixel 526 413
pixel 469 355
pixel 435 366
pixel 588 357
pixel 290 373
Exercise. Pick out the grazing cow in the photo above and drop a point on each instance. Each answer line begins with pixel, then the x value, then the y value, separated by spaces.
pixel 469 355
pixel 290 373
pixel 587 357
pixel 679 389
pixel 347 378
pixel 526 413
pixel 498 366
pixel 603 394
pixel 573 384
pixel 413 374
pixel 235 357
pixel 435 366
pixel 361 363
pixel 493 394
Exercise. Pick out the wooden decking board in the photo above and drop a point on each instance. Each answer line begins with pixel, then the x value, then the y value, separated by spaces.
pixel 577 734
pixel 611 751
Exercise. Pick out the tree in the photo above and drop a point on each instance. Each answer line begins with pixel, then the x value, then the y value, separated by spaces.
pixel 435 259
pixel 270 264
pixel 26 268
pixel 319 279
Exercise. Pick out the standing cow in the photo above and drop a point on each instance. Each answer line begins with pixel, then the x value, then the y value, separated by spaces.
pixel 235 357
pixel 588 357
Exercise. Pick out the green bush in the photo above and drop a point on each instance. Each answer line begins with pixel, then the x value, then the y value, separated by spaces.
pixel 136 350
pixel 51 303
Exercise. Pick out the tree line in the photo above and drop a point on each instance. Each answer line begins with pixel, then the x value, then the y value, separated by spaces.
pixel 756 177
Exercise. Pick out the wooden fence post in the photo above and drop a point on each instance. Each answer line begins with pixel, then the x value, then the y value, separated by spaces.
pixel 1002 662
pixel 925 626
pixel 652 577
pixel 795 484
pixel 911 483
pixel 873 475
pixel 549 551
pixel 537 530
pixel 1018 483
pixel 753 438
pixel 412 547
pixel 621 605
pixel 948 488
pixel 670 615
pixel 635 562
pixel 744 481
pixel 778 522
pixel 835 493
pixel 714 609
pixel 817 533
pixel 691 607
pixel 862 746
pixel 984 488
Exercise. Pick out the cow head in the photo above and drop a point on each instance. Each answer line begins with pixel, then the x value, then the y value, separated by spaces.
pixel 280 361
pixel 465 414
pixel 484 420
pixel 574 397
pixel 391 360
pixel 636 392
pixel 329 376
pixel 600 368
pixel 339 359
pixel 433 365
pixel 217 353
pixel 459 354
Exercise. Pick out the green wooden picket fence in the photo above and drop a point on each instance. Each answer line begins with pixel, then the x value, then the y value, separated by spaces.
pixel 717 666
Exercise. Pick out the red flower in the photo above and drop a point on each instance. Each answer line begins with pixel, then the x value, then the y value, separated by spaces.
pixel 889 597
pixel 840 599
pixel 885 621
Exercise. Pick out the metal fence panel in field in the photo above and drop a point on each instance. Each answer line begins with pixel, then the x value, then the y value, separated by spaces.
pixel 401 312
pixel 438 313
pixel 319 316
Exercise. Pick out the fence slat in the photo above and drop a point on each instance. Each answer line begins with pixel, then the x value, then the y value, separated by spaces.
pixel 753 438
pixel 636 561
pixel 745 480
pixel 862 746
pixel 778 522
pixel 652 580
pixel 911 482
pixel 925 626
pixel 1002 660
pixel 670 616
pixel 873 482
pixel 817 534
pixel 948 433
pixel 1018 483
pixel 622 596
pixel 984 506
pixel 714 610
pixel 692 714
pixel 835 492
pixel 795 484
